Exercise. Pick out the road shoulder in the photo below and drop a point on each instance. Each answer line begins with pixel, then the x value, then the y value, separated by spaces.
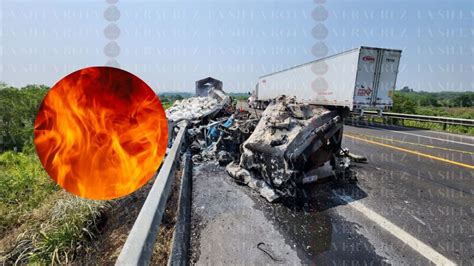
pixel 226 226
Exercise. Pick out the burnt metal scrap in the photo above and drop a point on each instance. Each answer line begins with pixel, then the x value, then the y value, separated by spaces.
pixel 220 139
pixel 289 139
pixel 203 86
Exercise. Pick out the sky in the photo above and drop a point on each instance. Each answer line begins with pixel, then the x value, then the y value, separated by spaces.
pixel 171 44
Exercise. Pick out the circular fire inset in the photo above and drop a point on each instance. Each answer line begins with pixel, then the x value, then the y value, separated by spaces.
pixel 101 133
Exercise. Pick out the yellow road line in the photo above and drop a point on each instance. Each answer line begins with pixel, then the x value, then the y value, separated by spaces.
pixel 413 143
pixel 412 152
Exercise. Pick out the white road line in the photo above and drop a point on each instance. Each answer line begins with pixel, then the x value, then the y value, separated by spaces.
pixel 412 134
pixel 420 247
pixel 453 134
pixel 444 133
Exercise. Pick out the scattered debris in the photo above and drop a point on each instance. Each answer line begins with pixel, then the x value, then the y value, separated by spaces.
pixel 273 152
pixel 245 177
pixel 266 249
pixel 357 158
pixel 224 158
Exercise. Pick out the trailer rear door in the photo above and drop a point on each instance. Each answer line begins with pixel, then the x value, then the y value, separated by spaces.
pixel 376 77
pixel 364 86
pixel 387 78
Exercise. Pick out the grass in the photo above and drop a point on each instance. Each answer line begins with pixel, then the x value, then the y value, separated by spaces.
pixel 24 185
pixel 74 221
pixel 167 105
pixel 439 127
pixel 61 233
pixel 40 223
pixel 457 112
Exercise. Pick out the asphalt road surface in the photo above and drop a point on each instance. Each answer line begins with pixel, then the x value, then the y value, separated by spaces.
pixel 413 204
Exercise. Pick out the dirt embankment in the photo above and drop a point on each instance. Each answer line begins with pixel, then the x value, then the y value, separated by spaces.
pixel 118 220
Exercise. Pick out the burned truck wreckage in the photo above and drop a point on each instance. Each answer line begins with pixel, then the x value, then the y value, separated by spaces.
pixel 289 139
pixel 271 152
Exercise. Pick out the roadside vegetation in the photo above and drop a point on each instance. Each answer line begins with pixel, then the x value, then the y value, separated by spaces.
pixel 448 104
pixel 39 222
pixel 167 99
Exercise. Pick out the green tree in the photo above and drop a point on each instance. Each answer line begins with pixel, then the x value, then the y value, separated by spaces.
pixel 403 104
pixel 3 85
pixel 464 100
pixel 18 108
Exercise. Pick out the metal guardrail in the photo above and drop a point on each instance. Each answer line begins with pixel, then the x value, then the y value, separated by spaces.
pixel 425 118
pixel 138 247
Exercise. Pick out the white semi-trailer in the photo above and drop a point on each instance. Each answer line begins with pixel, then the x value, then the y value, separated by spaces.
pixel 357 79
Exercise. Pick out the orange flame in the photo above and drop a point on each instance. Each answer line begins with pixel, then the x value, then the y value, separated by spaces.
pixel 101 133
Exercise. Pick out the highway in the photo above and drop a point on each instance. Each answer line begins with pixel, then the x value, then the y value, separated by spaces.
pixel 422 182
pixel 413 203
